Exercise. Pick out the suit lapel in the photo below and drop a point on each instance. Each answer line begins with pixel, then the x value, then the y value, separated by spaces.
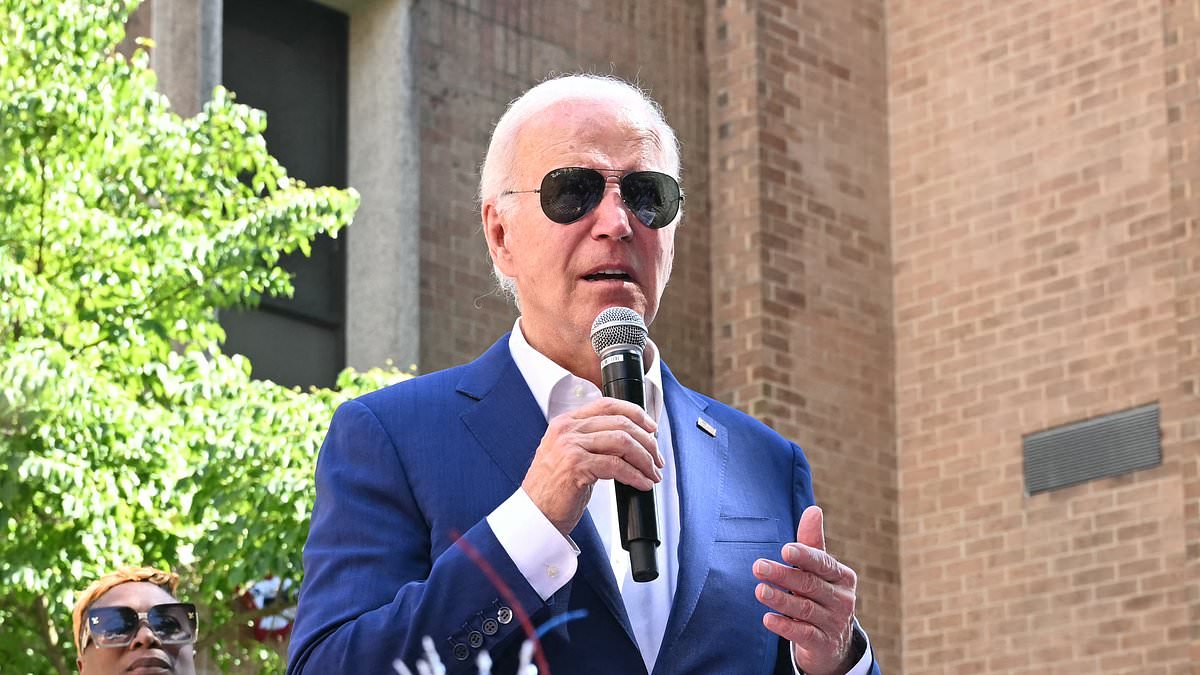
pixel 508 424
pixel 700 460
pixel 506 419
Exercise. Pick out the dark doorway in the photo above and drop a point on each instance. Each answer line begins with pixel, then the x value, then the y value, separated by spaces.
pixel 288 58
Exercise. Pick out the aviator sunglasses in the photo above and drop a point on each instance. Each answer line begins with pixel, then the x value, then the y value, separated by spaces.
pixel 172 623
pixel 570 193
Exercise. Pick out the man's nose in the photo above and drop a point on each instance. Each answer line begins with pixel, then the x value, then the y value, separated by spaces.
pixel 613 219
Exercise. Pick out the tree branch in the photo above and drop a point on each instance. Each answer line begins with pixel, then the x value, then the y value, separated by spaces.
pixel 38 263
pixel 146 311
pixel 49 635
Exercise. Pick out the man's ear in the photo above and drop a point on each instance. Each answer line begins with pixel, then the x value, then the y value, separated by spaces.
pixel 79 663
pixel 495 229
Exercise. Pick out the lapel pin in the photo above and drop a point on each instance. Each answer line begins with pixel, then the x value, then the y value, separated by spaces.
pixel 706 427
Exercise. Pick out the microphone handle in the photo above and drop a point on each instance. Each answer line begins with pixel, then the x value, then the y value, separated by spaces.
pixel 621 375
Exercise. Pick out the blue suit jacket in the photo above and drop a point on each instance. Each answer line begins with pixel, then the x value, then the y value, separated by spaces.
pixel 399 547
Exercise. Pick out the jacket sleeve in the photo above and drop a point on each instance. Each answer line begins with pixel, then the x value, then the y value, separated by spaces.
pixel 372 588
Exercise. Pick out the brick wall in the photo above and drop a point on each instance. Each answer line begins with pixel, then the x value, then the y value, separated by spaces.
pixel 801 258
pixel 474 58
pixel 1181 56
pixel 1041 250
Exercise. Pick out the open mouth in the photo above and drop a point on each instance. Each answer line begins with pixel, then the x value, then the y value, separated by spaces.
pixel 608 275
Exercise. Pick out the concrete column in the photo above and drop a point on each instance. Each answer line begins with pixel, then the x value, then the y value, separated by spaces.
pixel 212 13
pixel 187 52
pixel 383 245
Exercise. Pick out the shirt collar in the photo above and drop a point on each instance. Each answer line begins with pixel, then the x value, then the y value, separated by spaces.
pixel 542 375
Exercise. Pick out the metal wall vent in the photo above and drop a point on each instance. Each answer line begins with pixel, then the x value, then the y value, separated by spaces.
pixel 1097 448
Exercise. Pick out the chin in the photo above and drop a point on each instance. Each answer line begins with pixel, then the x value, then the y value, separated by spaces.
pixel 634 300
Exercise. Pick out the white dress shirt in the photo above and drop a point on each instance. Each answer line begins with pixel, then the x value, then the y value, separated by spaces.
pixel 547 559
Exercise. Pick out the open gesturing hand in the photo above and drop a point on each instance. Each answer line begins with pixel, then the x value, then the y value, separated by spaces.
pixel 812 598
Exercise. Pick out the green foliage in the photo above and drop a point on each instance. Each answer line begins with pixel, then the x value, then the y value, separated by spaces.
pixel 126 436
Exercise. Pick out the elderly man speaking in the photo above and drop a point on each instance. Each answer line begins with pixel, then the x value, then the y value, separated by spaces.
pixel 475 506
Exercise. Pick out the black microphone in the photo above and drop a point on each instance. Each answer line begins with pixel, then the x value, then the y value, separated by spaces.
pixel 619 336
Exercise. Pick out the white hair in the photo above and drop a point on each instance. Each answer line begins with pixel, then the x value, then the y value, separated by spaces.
pixel 499 163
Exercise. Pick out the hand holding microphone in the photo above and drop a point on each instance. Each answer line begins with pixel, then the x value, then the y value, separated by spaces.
pixel 619 336
pixel 610 438
pixel 603 439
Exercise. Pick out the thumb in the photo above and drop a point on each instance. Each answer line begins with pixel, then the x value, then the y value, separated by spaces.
pixel 811 530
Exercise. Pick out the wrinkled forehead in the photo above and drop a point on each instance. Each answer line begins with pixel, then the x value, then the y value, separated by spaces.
pixel 590 133
pixel 140 595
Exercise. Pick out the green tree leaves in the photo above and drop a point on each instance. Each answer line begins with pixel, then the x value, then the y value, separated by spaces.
pixel 126 436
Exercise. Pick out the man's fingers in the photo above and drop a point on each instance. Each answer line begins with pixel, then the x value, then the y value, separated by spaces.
pixel 620 446
pixel 796 607
pixel 614 406
pixel 802 583
pixel 796 632
pixel 606 406
pixel 612 467
pixel 595 425
pixel 810 612
pixel 620 423
pixel 819 563
pixel 629 475
pixel 811 530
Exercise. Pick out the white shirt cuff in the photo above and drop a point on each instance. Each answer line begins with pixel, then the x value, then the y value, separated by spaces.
pixel 861 668
pixel 546 558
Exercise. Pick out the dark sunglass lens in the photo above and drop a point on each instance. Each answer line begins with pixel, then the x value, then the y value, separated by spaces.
pixel 653 197
pixel 568 194
pixel 112 625
pixel 173 623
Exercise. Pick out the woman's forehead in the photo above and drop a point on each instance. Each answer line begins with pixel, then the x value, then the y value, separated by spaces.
pixel 140 595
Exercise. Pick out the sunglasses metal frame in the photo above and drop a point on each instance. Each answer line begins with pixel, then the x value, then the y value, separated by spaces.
pixel 87 636
pixel 606 174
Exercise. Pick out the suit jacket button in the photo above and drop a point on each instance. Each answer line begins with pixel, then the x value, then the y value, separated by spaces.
pixel 504 615
pixel 475 639
pixel 490 626
pixel 460 651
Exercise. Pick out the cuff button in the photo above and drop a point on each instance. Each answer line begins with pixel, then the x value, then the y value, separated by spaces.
pixel 490 626
pixel 460 651
pixel 504 615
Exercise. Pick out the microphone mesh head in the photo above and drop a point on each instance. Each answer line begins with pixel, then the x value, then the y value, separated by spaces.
pixel 618 326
